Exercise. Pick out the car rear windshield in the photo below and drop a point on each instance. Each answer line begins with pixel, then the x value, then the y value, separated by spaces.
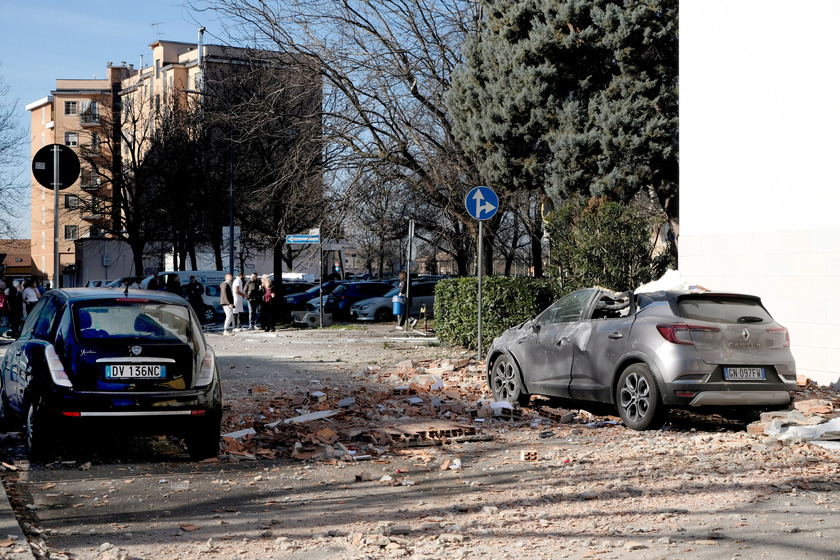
pixel 723 309
pixel 147 320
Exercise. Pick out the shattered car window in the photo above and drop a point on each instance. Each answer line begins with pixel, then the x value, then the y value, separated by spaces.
pixel 612 306
pixel 567 309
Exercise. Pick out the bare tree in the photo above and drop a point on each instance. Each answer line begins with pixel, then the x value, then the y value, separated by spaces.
pixel 385 66
pixel 12 149
pixel 122 189
pixel 266 110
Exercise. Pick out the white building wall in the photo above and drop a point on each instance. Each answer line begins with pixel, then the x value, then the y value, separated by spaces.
pixel 759 181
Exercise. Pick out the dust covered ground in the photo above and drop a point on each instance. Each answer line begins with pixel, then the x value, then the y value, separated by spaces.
pixel 415 464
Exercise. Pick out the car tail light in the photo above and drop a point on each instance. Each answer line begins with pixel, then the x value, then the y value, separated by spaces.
pixel 685 393
pixel 680 333
pixel 72 414
pixel 56 368
pixel 784 330
pixel 200 412
pixel 208 367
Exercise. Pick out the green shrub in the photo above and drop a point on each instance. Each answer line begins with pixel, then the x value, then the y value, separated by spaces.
pixel 598 242
pixel 506 302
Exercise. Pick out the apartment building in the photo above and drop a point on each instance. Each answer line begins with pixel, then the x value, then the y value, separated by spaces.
pixel 89 115
pixel 69 116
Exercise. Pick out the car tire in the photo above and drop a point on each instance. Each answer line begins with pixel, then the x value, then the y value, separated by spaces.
pixel 382 314
pixel 637 399
pixel 506 382
pixel 7 421
pixel 37 435
pixel 203 442
pixel 208 314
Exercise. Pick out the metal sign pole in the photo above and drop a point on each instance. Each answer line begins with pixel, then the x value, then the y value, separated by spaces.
pixel 56 256
pixel 409 256
pixel 321 282
pixel 480 239
pixel 482 204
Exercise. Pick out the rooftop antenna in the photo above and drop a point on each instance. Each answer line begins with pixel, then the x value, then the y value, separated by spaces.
pixel 157 25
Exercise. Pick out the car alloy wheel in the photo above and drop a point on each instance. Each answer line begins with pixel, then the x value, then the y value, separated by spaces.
pixel 382 314
pixel 208 314
pixel 506 383
pixel 638 400
pixel 36 435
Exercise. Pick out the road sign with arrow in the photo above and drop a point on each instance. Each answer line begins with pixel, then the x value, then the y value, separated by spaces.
pixel 482 203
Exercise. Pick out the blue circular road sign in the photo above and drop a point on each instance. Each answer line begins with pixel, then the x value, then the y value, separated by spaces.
pixel 482 203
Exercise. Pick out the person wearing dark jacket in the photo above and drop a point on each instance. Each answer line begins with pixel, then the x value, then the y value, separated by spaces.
pixel 15 303
pixel 227 304
pixel 252 294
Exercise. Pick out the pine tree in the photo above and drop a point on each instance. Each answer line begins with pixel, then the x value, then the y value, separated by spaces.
pixel 566 96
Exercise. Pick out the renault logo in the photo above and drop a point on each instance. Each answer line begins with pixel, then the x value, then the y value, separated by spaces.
pixel 745 334
pixel 136 350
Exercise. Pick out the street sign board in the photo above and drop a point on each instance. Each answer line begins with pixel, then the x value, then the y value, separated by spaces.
pixel 303 239
pixel 482 203
pixel 338 246
pixel 43 166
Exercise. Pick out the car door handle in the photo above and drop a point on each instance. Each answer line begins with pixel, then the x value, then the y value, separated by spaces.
pixel 616 336
pixel 562 341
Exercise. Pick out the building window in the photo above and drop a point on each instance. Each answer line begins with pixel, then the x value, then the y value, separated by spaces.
pixel 71 201
pixel 95 231
pixel 71 107
pixel 71 232
pixel 94 142
pixel 71 139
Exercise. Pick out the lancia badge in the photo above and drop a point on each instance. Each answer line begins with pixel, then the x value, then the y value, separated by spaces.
pixel 745 334
pixel 136 350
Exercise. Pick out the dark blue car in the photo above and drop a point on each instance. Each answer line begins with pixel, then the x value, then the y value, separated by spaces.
pixel 297 301
pixel 134 361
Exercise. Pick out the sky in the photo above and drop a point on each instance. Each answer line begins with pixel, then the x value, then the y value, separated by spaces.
pixel 45 40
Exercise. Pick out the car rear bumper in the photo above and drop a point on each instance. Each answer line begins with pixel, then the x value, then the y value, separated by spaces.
pixel 161 413
pixel 741 398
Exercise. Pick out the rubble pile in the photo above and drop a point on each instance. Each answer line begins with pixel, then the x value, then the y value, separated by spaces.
pixel 411 404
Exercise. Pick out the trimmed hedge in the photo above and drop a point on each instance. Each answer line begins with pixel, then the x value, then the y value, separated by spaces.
pixel 506 301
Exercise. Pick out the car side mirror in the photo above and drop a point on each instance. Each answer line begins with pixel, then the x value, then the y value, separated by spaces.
pixel 535 327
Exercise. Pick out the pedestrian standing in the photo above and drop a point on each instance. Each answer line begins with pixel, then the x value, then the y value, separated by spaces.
pixel 15 301
pixel 267 304
pixel 30 296
pixel 173 285
pixel 227 304
pixel 401 294
pixel 4 305
pixel 252 293
pixel 193 292
pixel 238 300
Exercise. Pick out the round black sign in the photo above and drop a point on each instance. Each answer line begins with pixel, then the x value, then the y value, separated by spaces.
pixel 43 166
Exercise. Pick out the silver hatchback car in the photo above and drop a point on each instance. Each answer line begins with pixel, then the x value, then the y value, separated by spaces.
pixel 646 353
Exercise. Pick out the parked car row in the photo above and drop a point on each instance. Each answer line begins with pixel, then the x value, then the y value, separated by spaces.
pixel 364 301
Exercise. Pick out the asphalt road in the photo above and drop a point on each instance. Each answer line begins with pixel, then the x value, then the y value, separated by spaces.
pixel 702 490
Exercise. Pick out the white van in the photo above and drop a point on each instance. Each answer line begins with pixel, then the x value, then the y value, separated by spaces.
pixel 210 279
